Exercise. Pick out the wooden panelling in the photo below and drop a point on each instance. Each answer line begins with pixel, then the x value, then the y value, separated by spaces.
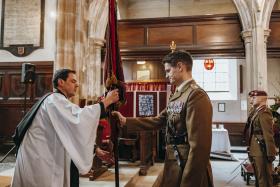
pixel 274 38
pixel 12 93
pixel 1 85
pixel 16 88
pixel 131 36
pixel 218 34
pixel 10 117
pixel 43 84
pixel 164 35
pixel 273 44
pixel 211 35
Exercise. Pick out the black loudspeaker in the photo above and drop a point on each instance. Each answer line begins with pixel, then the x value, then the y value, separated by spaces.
pixel 28 73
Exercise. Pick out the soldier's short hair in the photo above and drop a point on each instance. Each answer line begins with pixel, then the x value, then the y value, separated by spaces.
pixel 61 74
pixel 179 56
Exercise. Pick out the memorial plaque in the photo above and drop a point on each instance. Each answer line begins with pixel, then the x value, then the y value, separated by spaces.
pixel 22 26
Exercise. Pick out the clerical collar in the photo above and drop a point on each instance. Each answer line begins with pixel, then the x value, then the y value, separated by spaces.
pixel 58 91
pixel 180 87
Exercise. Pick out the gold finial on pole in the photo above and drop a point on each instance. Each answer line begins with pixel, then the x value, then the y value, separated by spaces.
pixel 173 46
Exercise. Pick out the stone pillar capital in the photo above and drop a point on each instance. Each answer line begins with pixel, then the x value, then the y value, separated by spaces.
pixel 266 34
pixel 97 42
pixel 247 36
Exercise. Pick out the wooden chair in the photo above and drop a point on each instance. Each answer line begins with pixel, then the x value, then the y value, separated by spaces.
pixel 247 171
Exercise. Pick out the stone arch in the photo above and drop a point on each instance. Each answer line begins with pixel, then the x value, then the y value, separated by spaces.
pixel 97 22
pixel 244 14
pixel 267 11
pixel 255 16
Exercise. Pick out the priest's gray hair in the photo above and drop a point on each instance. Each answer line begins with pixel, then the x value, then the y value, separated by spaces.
pixel 61 74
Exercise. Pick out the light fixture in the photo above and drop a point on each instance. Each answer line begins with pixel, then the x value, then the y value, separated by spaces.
pixel 209 64
pixel 141 62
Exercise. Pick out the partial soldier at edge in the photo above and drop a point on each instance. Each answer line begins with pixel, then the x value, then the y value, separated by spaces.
pixel 262 150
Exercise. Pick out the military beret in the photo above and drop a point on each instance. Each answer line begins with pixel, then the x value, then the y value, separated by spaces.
pixel 251 93
pixel 259 93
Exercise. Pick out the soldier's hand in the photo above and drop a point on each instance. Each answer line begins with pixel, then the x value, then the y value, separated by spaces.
pixel 270 158
pixel 104 155
pixel 122 119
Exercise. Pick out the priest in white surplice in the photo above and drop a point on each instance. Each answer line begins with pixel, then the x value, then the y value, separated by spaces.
pixel 61 138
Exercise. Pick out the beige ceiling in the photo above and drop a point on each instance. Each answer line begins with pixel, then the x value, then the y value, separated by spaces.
pixel 131 9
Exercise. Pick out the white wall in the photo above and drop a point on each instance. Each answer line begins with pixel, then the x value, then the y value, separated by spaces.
pixel 235 110
pixel 273 76
pixel 47 53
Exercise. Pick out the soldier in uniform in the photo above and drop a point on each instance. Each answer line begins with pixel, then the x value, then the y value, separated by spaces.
pixel 262 148
pixel 188 122
pixel 250 115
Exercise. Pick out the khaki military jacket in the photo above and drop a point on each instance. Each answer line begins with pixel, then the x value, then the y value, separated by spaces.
pixel 247 125
pixel 189 110
pixel 262 128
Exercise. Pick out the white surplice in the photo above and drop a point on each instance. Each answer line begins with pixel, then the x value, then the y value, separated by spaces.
pixel 61 131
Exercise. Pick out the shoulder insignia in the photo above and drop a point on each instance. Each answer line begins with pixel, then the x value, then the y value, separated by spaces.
pixel 194 86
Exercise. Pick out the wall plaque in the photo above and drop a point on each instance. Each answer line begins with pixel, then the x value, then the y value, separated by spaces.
pixel 22 23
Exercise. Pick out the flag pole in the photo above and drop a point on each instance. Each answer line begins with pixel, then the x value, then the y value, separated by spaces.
pixel 115 133
pixel 114 78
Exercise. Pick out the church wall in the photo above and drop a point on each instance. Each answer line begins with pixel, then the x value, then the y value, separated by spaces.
pixel 160 8
pixel 277 5
pixel 11 88
pixel 235 110
pixel 47 53
pixel 273 73
pixel 12 93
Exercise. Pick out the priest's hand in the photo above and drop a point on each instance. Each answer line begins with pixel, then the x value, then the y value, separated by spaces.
pixel 104 155
pixel 111 97
pixel 121 118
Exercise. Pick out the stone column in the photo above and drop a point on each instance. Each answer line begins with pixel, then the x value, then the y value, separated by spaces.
pixel 255 17
pixel 94 69
pixel 98 19
pixel 249 68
